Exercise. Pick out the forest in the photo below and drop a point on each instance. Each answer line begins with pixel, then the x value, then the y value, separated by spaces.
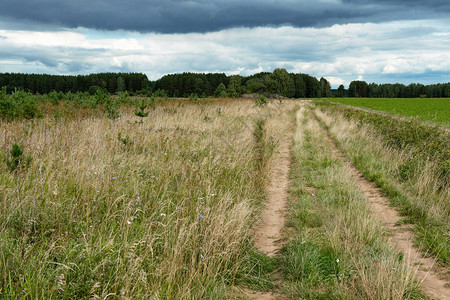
pixel 273 84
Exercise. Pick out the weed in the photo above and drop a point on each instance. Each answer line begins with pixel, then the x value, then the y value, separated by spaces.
pixel 125 140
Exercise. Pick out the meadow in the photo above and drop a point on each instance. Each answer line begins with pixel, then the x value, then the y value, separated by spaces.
pixel 153 198
pixel 436 110
pixel 153 207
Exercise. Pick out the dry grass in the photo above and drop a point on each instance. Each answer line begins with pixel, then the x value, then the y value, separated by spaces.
pixel 164 212
pixel 338 250
pixel 420 196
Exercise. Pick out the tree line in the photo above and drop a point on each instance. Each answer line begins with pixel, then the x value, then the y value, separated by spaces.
pixel 277 83
pixel 273 84
pixel 362 89
pixel 44 84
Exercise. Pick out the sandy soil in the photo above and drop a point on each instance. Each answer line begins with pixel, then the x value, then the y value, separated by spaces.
pixel 268 234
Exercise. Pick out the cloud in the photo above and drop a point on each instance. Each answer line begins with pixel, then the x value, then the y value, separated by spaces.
pixel 383 52
pixel 183 16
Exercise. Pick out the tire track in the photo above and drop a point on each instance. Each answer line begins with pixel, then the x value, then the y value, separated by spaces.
pixel 268 234
pixel 402 237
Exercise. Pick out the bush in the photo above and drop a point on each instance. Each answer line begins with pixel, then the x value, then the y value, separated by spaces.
pixel 112 108
pixel 18 105
pixel 261 100
pixel 141 105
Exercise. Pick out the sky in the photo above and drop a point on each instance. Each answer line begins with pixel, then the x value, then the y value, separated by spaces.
pixel 381 41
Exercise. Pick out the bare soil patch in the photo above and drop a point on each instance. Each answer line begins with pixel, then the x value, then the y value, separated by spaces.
pixel 268 233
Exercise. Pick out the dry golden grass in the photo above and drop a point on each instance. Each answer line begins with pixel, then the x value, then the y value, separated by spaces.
pixel 165 211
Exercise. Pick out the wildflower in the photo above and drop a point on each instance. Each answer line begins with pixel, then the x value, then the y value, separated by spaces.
pixel 52 230
pixel 200 198
pixel 201 256
pixel 129 222
pixel 114 178
pixel 212 195
pixel 337 260
pixel 36 180
pixel 202 217
pixel 98 191
pixel 101 177
pixel 163 214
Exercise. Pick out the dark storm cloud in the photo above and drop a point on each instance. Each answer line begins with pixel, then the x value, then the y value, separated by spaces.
pixel 170 16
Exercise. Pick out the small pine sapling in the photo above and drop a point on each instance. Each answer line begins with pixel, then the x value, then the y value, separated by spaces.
pixel 140 108
pixel 16 159
pixel 112 108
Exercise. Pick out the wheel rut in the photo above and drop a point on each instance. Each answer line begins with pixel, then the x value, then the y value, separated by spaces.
pixel 401 235
pixel 268 234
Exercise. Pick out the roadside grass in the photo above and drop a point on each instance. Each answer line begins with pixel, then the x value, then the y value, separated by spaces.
pixel 336 250
pixel 426 109
pixel 412 183
pixel 152 208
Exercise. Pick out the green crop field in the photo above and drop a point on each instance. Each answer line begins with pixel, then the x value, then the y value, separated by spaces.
pixel 432 109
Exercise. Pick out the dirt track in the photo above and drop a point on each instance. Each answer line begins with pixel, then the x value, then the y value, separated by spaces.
pixel 402 237
pixel 268 234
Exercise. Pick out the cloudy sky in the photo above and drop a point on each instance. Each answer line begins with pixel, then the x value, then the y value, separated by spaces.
pixel 382 41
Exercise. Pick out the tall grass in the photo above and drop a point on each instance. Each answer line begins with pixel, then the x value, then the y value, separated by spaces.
pixel 413 183
pixel 168 214
pixel 336 250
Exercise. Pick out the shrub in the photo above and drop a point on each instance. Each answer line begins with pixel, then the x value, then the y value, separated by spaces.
pixel 16 160
pixel 18 105
pixel 261 100
pixel 112 108
pixel 141 105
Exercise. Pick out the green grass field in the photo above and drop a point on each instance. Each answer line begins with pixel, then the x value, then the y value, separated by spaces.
pixel 432 109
